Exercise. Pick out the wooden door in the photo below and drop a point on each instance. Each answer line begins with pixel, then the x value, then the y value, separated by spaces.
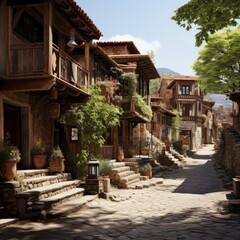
pixel 12 125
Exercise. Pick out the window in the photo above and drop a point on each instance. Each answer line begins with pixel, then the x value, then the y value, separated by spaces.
pixel 185 90
pixel 186 109
pixel 30 29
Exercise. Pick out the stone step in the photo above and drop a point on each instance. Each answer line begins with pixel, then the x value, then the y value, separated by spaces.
pixel 124 174
pixel 145 183
pixel 30 183
pixel 33 202
pixel 70 206
pixel 46 191
pixel 118 164
pixel 60 198
pixel 31 173
pixel 125 184
pixel 129 178
pixel 119 170
pixel 133 159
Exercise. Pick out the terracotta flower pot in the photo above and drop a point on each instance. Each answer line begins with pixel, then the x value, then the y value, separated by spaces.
pixel 39 161
pixel 8 169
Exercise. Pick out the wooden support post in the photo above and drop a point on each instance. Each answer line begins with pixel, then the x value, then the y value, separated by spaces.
pixel 48 37
pixel 87 64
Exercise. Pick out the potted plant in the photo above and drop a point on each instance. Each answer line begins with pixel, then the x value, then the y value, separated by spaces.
pixel 146 170
pixel 38 156
pixel 145 143
pixel 9 157
pixel 120 154
pixel 56 160
pixel 105 168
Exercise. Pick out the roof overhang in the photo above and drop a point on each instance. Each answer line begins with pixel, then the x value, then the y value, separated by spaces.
pixel 135 117
pixel 144 63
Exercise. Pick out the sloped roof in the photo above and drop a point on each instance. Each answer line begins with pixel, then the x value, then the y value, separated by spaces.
pixel 85 17
pixel 144 63
pixel 78 18
pixel 130 45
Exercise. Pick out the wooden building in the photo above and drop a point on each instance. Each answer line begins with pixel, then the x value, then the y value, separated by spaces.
pixel 38 41
pixel 187 99
pixel 129 59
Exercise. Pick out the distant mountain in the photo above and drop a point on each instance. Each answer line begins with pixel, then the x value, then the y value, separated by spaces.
pixel 167 71
pixel 220 99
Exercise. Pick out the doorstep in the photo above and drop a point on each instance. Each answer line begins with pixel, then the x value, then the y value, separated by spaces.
pixel 7 221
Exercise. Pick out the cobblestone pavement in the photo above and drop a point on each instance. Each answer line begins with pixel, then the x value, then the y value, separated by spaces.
pixel 185 206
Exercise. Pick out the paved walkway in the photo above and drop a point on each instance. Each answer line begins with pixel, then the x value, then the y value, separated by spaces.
pixel 185 206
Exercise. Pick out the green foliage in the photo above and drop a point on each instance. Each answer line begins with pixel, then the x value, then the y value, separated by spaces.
pixel 131 79
pixel 142 105
pixel 218 63
pixel 37 148
pixel 145 168
pixel 10 152
pixel 209 15
pixel 80 160
pixel 105 168
pixel 93 119
pixel 56 154
pixel 154 86
pixel 185 149
pixel 140 102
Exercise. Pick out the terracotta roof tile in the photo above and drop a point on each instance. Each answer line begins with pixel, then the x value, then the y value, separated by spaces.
pixel 86 17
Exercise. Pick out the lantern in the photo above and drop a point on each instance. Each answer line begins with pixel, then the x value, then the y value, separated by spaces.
pixel 93 169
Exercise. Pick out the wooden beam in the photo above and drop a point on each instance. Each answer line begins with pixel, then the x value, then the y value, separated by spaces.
pixel 26 85
pixel 48 37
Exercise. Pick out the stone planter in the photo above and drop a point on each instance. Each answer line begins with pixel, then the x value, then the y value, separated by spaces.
pixel 56 166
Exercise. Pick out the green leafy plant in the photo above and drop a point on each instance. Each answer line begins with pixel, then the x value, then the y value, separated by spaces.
pixel 105 167
pixel 93 119
pixel 37 148
pixel 10 152
pixel 56 154
pixel 140 102
pixel 146 168
pixel 80 160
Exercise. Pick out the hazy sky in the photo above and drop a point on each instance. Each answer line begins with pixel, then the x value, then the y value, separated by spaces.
pixel 148 24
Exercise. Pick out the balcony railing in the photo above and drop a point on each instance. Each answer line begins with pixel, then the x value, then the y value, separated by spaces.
pixel 180 96
pixel 29 60
pixel 191 118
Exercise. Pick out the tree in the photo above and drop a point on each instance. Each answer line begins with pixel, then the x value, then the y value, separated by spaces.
pixel 93 119
pixel 218 64
pixel 209 15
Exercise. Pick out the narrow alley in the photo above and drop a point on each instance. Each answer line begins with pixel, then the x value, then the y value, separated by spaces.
pixel 186 206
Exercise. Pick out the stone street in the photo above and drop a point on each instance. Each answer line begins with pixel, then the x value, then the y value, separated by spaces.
pixel 188 205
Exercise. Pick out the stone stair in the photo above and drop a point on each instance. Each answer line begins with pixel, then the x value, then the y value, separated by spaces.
pixel 169 159
pixel 125 175
pixel 41 195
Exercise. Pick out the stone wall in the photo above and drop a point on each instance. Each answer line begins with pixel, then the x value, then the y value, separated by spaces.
pixel 228 154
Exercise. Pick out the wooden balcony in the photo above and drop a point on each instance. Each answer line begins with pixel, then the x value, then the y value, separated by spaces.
pixel 29 60
pixel 132 112
pixel 180 96
pixel 191 118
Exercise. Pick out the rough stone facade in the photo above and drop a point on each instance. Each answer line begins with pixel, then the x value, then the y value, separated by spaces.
pixel 228 154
